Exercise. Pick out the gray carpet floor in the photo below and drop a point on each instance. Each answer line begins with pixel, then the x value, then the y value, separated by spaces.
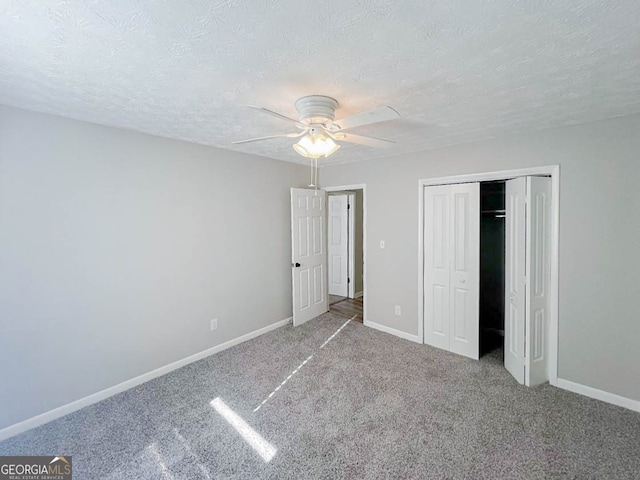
pixel 364 405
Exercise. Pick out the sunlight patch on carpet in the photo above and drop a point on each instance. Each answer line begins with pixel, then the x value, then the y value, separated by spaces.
pixel 249 435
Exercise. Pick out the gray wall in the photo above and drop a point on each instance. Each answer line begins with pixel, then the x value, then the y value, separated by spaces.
pixel 117 248
pixel 599 338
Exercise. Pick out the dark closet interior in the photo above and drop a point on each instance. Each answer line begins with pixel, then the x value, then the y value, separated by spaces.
pixel 492 263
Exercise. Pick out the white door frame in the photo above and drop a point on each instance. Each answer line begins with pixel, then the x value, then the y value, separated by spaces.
pixel 351 233
pixel 550 170
pixel 352 244
pixel 348 188
pixel 344 283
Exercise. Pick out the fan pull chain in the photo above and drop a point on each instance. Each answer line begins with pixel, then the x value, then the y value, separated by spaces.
pixel 315 165
pixel 313 173
pixel 311 184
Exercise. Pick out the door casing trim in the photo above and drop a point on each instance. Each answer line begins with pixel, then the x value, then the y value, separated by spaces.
pixel 363 187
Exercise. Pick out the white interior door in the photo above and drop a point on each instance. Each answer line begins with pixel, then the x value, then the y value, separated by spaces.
pixel 515 265
pixel 464 311
pixel 338 244
pixel 308 254
pixel 436 266
pixel 537 288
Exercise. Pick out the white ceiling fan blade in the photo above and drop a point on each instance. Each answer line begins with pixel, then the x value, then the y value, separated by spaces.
pixel 282 135
pixel 367 118
pixel 278 115
pixel 362 140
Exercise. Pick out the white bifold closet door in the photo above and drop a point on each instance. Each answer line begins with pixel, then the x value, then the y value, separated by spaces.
pixel 452 267
pixel 527 278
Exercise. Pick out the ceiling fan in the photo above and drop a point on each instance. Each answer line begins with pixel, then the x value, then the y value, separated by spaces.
pixel 318 129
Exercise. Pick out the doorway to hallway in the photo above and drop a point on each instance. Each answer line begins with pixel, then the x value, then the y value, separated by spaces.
pixel 347 307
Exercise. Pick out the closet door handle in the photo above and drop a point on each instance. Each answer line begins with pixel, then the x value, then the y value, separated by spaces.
pixel 462 281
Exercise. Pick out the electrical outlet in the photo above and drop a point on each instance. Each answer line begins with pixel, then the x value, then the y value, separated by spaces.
pixel 214 324
pixel 381 243
pixel 398 311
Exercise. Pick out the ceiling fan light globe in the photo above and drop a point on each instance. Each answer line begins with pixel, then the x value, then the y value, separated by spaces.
pixel 315 146
pixel 301 150
pixel 333 147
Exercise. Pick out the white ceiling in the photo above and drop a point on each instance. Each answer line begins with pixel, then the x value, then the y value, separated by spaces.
pixel 456 70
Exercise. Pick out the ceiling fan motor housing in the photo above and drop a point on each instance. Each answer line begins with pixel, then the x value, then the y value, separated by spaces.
pixel 316 109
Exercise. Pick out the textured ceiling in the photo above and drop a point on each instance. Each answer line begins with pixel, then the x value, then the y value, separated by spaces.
pixel 456 70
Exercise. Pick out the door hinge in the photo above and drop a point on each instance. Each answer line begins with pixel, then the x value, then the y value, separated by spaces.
pixel 348 280
pixel 348 206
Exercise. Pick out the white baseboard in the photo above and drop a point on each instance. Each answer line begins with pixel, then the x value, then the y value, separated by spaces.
pixel 58 412
pixel 599 394
pixel 359 294
pixel 393 331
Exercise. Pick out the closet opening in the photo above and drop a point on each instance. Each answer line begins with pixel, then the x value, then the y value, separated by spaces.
pixel 488 269
pixel 492 268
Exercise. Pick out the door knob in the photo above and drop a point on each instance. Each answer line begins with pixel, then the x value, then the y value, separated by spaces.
pixel 295 264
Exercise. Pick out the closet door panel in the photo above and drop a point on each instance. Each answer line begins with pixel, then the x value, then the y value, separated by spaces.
pixel 537 288
pixel 515 306
pixel 465 269
pixel 436 272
